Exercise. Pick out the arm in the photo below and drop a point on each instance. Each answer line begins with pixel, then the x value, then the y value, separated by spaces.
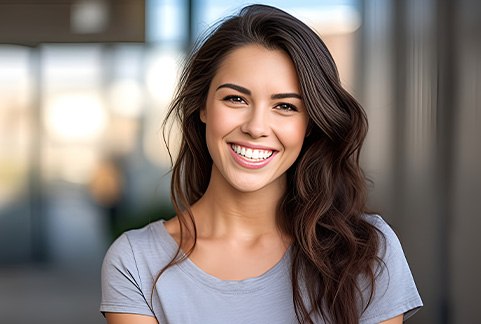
pixel 395 320
pixel 121 318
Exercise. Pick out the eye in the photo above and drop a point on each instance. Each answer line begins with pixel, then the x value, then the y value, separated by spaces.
pixel 286 107
pixel 234 99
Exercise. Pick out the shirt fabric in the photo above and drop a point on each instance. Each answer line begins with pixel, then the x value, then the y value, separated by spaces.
pixel 186 294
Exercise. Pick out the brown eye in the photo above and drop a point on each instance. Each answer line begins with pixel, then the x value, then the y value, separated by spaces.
pixel 234 99
pixel 286 107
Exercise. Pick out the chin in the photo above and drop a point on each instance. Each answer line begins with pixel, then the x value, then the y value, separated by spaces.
pixel 247 188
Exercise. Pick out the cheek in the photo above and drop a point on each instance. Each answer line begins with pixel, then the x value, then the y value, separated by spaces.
pixel 218 126
pixel 292 135
pixel 221 121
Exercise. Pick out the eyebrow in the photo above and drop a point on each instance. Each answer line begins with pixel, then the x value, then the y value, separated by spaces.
pixel 248 92
pixel 286 95
pixel 235 87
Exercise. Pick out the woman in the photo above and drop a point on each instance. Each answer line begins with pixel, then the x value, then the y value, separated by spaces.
pixel 271 222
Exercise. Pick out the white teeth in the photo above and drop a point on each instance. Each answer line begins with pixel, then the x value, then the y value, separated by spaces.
pixel 251 154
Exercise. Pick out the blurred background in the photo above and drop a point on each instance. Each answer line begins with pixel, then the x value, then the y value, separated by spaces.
pixel 84 85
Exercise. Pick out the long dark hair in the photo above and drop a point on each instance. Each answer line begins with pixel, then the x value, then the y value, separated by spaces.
pixel 324 205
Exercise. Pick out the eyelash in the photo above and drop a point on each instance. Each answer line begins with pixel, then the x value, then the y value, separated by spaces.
pixel 282 106
pixel 286 107
pixel 234 99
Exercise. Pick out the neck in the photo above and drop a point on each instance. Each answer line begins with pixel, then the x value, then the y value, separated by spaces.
pixel 224 211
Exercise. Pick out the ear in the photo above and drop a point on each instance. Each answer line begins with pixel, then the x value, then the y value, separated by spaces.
pixel 203 115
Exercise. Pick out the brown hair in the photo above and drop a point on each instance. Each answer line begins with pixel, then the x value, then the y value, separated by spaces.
pixel 322 209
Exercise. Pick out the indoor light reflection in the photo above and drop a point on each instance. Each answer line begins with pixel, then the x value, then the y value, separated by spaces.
pixel 126 98
pixel 75 117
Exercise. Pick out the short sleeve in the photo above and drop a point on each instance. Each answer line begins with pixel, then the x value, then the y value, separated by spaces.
pixel 395 291
pixel 121 283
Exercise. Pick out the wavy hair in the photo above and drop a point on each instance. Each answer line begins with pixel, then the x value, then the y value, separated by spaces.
pixel 325 201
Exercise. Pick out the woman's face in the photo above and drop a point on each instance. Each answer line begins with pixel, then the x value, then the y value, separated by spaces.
pixel 255 118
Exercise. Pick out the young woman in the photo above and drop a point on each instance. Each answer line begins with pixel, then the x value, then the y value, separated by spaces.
pixel 271 222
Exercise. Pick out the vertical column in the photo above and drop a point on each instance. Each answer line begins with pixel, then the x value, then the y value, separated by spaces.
pixel 37 212
pixel 466 210
pixel 418 216
pixel 375 80
pixel 403 153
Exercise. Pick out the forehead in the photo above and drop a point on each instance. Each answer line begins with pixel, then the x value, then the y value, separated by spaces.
pixel 254 65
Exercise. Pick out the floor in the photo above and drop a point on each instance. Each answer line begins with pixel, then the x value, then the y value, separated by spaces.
pixel 42 294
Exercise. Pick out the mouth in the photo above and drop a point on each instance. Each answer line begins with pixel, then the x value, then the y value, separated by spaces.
pixel 252 154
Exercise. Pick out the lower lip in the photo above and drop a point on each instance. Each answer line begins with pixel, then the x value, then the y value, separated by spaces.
pixel 250 164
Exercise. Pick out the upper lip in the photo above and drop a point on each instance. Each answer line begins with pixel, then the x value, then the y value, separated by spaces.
pixel 253 146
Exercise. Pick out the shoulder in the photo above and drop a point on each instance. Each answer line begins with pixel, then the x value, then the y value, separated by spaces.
pixel 389 243
pixel 395 291
pixel 129 266
pixel 381 225
pixel 140 246
pixel 137 256
pixel 390 250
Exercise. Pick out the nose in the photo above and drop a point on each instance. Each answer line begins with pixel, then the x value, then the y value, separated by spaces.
pixel 256 123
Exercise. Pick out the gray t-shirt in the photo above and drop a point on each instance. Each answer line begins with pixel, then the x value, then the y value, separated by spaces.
pixel 186 294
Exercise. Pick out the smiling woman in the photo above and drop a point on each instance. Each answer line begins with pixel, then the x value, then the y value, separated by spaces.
pixel 271 222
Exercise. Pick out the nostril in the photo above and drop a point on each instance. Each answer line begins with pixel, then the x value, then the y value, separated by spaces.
pixel 256 126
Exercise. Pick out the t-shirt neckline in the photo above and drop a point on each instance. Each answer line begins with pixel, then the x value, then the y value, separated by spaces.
pixel 198 275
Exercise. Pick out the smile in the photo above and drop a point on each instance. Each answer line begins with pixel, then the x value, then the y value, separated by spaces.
pixel 251 154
